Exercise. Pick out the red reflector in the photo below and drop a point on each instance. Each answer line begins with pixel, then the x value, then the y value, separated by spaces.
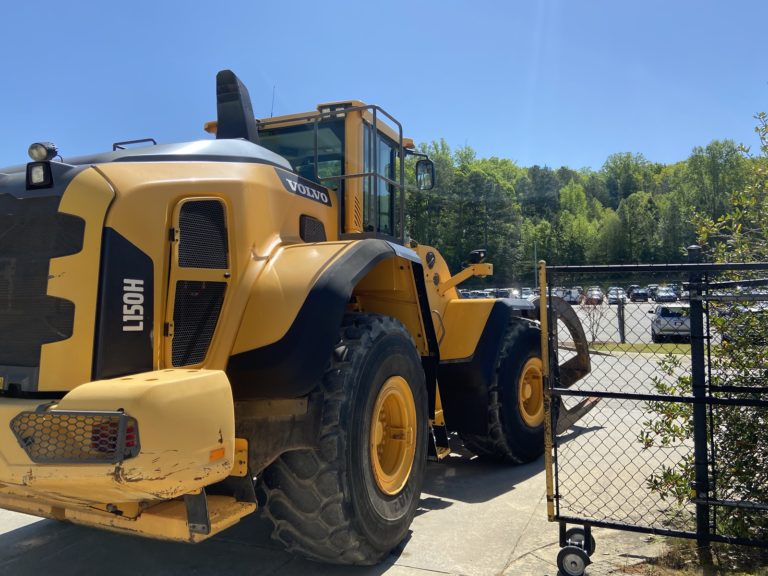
pixel 130 437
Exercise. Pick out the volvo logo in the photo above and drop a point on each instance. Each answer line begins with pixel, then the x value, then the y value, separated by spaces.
pixel 303 187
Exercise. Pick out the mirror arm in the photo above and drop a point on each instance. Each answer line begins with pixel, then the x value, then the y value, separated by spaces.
pixel 481 270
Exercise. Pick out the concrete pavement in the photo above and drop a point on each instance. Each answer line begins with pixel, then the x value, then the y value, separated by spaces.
pixel 475 519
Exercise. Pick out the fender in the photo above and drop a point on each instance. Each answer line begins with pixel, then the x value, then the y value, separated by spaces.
pixel 292 365
pixel 464 384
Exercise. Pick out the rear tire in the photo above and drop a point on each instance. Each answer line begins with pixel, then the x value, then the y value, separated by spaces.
pixel 516 401
pixel 352 499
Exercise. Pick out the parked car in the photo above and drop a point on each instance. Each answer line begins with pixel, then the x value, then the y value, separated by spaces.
pixel 594 296
pixel 507 293
pixel 617 296
pixel 526 293
pixel 664 294
pixel 671 322
pixel 652 290
pixel 476 294
pixel 573 295
pixel 631 288
pixel 639 295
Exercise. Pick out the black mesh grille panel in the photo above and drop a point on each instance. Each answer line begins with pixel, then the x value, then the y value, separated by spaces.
pixel 311 229
pixel 74 437
pixel 31 233
pixel 203 235
pixel 195 314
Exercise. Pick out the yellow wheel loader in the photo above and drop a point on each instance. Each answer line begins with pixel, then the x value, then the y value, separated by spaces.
pixel 191 331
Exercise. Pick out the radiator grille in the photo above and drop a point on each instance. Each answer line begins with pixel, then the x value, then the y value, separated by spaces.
pixel 32 232
pixel 195 314
pixel 203 235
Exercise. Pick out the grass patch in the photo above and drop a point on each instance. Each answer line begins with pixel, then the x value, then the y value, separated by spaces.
pixel 642 347
pixel 682 558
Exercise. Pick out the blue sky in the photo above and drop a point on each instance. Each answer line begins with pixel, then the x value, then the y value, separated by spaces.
pixel 558 82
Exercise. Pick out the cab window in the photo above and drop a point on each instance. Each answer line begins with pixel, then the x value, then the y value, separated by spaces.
pixel 297 145
pixel 378 194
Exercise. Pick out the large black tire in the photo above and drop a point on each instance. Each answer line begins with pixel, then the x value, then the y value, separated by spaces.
pixel 510 438
pixel 326 504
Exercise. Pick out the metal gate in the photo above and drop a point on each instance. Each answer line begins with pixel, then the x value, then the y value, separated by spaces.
pixel 676 441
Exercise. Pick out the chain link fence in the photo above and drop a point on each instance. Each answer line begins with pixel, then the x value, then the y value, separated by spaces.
pixel 675 436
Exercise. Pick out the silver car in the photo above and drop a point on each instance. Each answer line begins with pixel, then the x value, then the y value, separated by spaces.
pixel 671 322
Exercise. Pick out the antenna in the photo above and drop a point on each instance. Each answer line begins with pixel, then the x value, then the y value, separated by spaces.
pixel 272 110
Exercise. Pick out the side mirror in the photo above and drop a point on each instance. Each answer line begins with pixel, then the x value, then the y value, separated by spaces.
pixel 425 174
pixel 477 256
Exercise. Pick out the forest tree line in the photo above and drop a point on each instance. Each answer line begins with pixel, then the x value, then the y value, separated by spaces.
pixel 631 210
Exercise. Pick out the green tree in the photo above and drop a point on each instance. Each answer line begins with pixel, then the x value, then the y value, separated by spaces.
pixel 639 217
pixel 610 245
pixel 595 187
pixel 426 210
pixel 739 433
pixel 625 174
pixel 542 198
pixel 713 173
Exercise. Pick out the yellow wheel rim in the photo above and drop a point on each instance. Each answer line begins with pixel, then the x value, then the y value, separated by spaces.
pixel 393 435
pixel 530 393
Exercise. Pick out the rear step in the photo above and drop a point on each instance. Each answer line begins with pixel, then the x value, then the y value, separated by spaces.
pixel 165 521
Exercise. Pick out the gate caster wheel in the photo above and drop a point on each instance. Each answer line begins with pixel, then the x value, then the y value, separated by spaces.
pixel 572 561
pixel 576 537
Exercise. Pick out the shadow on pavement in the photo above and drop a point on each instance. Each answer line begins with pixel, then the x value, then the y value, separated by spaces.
pixel 576 431
pixel 466 478
pixel 65 549
pixel 48 546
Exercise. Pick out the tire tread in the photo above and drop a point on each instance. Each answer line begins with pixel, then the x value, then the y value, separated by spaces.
pixel 302 491
pixel 495 445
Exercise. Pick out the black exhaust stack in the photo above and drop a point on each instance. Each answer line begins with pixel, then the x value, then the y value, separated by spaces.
pixel 234 110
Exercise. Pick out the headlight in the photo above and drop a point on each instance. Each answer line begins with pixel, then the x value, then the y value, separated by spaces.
pixel 42 151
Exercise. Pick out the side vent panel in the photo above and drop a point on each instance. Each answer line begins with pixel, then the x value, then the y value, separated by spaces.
pixel 199 278
pixel 311 229
pixel 195 315
pixel 358 214
pixel 203 235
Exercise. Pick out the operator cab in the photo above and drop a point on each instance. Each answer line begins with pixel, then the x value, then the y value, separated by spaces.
pixel 355 149
pixel 359 151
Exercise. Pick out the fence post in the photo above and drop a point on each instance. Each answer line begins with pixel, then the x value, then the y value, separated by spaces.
pixel 699 385
pixel 620 312
pixel 549 424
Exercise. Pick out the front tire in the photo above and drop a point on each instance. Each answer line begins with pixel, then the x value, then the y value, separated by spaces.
pixel 516 401
pixel 352 499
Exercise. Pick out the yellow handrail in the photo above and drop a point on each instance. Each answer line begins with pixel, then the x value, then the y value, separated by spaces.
pixel 548 460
